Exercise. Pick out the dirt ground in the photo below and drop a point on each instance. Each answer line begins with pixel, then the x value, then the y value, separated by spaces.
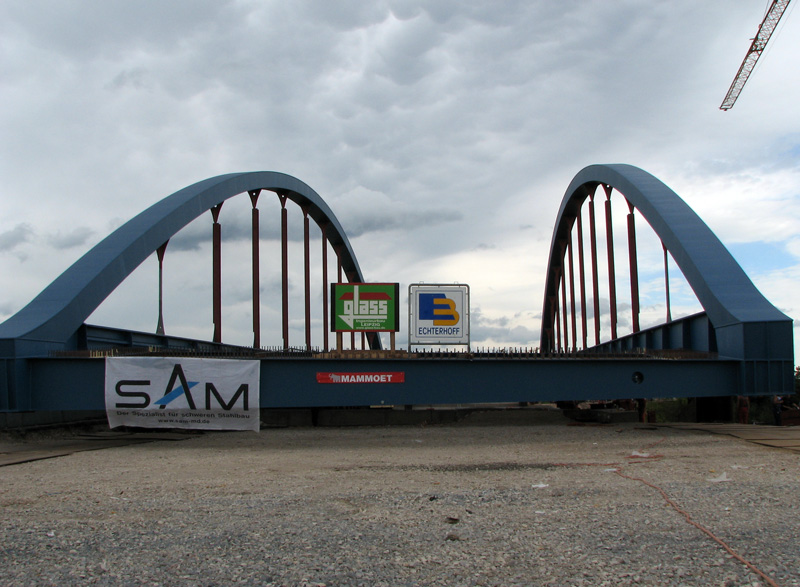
pixel 462 504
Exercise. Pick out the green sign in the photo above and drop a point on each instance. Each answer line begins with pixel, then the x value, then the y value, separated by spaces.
pixel 365 307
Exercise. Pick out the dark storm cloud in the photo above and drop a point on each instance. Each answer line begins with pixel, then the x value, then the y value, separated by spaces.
pixel 502 328
pixel 379 222
pixel 429 127
pixel 18 235
pixel 100 28
pixel 76 237
pixel 239 228
pixel 233 229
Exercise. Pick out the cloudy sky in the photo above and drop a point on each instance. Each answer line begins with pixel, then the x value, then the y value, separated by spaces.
pixel 443 135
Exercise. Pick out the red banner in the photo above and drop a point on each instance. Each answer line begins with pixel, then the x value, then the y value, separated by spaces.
pixel 382 377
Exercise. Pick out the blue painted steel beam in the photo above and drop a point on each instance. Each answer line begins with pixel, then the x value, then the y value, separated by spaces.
pixel 691 332
pixel 77 384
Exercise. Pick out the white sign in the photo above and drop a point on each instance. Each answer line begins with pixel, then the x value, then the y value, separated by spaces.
pixel 213 394
pixel 438 314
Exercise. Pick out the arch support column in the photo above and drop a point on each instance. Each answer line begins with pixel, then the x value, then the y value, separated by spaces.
pixel 217 272
pixel 256 276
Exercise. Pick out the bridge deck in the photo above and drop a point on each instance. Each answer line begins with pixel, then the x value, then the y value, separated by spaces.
pixel 304 380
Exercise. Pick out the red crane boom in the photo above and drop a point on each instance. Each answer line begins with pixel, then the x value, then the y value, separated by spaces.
pixel 765 30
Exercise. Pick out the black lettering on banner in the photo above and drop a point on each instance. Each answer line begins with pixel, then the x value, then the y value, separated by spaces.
pixel 140 394
pixel 177 373
pixel 244 391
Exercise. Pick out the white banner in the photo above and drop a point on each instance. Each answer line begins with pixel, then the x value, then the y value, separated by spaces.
pixel 212 394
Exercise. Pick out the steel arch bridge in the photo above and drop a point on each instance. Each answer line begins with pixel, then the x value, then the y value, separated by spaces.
pixel 737 321
pixel 51 360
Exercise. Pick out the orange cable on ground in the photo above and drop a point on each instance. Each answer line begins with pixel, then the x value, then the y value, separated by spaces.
pixel 706 531
pixel 656 443
pixel 702 528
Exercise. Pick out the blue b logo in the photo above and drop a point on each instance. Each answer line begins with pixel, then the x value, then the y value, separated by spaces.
pixel 439 308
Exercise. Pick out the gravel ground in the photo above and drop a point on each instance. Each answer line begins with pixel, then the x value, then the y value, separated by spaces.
pixel 437 505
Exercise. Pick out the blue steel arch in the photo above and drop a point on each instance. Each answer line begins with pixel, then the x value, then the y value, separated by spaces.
pixel 747 326
pixel 50 321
